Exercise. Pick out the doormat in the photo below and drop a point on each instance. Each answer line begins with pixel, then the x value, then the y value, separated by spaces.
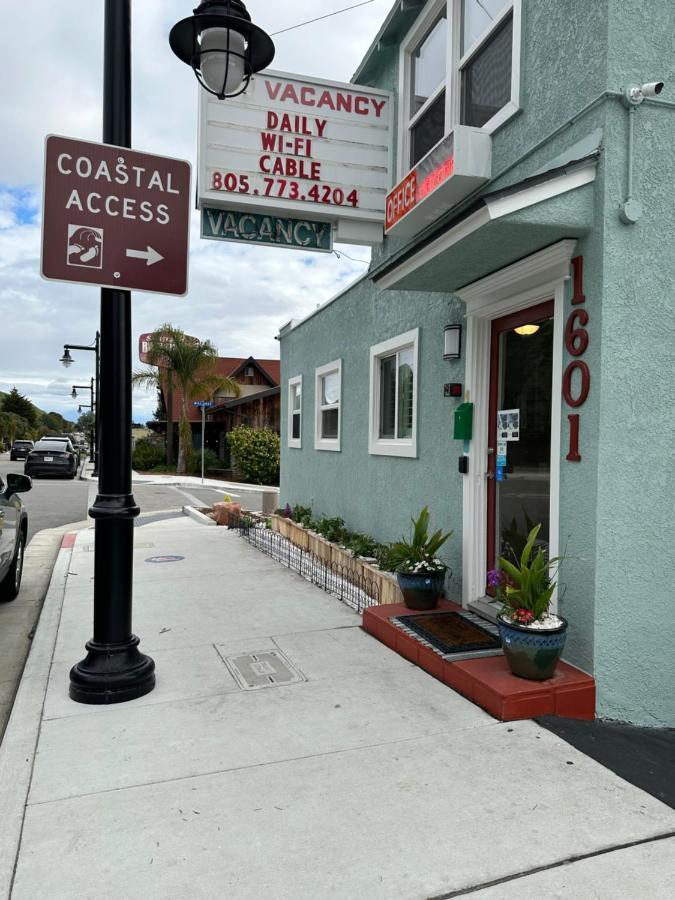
pixel 452 633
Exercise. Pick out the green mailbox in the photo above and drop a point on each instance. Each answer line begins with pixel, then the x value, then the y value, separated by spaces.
pixel 464 422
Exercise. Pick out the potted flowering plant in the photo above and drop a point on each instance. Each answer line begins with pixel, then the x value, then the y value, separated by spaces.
pixel 419 572
pixel 532 637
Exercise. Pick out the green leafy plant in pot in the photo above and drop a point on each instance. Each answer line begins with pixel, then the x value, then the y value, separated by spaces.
pixel 419 572
pixel 532 637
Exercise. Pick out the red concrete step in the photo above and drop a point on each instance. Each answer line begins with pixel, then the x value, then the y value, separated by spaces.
pixel 487 681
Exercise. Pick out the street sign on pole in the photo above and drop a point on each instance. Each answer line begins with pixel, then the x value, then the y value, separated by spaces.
pixel 115 217
pixel 204 404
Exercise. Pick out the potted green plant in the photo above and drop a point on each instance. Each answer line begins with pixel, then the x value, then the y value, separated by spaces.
pixel 532 637
pixel 419 572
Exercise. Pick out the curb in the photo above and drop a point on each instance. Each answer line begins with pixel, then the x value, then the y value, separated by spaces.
pixel 198 516
pixel 17 751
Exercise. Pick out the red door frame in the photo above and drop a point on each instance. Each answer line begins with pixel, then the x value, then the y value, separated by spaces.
pixel 538 313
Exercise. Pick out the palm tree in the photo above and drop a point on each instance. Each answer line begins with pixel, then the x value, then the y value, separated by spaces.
pixel 191 365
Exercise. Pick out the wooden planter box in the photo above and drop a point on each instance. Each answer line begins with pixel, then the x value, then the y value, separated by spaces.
pixel 297 534
pixel 319 546
pixel 387 586
pixel 352 566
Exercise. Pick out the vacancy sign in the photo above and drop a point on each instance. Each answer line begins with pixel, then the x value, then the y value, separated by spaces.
pixel 299 149
pixel 114 217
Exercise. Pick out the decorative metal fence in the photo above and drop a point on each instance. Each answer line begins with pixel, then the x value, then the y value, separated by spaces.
pixel 347 584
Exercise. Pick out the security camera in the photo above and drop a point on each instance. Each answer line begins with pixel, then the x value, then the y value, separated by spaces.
pixel 636 93
pixel 652 89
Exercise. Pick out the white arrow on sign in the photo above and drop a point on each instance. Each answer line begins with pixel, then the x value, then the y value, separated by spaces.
pixel 151 256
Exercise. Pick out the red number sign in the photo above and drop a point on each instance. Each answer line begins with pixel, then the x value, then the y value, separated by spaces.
pixel 576 342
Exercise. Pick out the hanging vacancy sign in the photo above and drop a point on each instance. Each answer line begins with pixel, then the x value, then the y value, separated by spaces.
pixel 309 150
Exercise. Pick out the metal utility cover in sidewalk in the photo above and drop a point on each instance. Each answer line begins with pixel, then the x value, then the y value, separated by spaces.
pixel 268 668
pixel 114 217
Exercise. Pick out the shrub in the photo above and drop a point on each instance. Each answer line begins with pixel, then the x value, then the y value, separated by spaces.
pixel 146 456
pixel 302 514
pixel 360 544
pixel 256 454
pixel 211 461
pixel 332 529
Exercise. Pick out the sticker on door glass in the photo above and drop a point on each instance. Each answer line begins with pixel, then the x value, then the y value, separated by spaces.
pixel 508 425
pixel 501 453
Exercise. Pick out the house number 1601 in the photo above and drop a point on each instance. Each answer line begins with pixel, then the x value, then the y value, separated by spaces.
pixel 576 342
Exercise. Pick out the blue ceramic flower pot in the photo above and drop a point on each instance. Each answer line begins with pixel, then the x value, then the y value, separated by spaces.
pixel 530 652
pixel 421 591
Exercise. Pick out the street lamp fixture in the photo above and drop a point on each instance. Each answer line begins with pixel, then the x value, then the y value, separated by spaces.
pixel 67 360
pixel 223 46
pixel 73 394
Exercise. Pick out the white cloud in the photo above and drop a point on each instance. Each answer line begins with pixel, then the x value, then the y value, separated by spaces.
pixel 239 296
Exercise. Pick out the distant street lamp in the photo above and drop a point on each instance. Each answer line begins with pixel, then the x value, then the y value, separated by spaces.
pixel 88 387
pixel 67 360
pixel 222 45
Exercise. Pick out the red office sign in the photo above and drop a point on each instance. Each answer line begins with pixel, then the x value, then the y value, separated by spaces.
pixel 115 217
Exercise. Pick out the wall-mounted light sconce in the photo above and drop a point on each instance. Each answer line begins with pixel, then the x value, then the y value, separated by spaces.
pixel 452 345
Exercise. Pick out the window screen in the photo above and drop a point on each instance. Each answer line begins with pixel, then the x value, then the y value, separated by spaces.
pixel 428 130
pixel 486 79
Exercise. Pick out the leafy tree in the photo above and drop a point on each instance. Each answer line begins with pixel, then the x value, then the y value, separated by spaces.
pixel 191 364
pixel 13 427
pixel 55 422
pixel 85 423
pixel 255 453
pixel 15 402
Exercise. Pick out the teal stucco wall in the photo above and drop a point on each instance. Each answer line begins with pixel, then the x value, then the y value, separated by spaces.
pixel 616 505
pixel 376 494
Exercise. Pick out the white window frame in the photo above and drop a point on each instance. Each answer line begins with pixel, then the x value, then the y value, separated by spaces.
pixel 396 446
pixel 453 82
pixel 321 443
pixel 292 383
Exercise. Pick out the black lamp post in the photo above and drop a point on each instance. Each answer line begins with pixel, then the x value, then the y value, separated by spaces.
pixel 88 387
pixel 222 45
pixel 114 669
pixel 67 361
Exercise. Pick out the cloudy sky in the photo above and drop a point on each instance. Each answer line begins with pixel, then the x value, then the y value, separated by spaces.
pixel 51 53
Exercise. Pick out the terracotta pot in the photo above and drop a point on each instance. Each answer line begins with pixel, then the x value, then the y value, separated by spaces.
pixel 531 652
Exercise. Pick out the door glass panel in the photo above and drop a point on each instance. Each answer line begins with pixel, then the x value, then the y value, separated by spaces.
pixel 523 496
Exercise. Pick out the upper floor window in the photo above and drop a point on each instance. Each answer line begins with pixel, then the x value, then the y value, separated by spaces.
pixel 486 64
pixel 459 66
pixel 428 73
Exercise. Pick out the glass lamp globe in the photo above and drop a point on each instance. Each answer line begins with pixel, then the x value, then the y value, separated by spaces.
pixel 222 60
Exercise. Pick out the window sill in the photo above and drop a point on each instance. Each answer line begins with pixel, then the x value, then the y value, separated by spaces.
pixel 505 114
pixel 320 444
pixel 393 448
pixel 295 445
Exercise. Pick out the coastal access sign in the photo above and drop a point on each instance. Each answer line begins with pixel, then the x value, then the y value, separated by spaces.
pixel 114 217
pixel 294 149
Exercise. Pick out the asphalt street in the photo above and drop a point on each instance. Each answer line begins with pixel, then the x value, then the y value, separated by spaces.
pixel 52 502
pixel 59 501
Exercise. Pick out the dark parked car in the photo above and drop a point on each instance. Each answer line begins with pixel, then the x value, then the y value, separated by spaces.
pixel 64 437
pixel 52 456
pixel 13 532
pixel 20 449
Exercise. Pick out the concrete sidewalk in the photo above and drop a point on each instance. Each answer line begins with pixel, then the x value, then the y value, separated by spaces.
pixel 364 779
